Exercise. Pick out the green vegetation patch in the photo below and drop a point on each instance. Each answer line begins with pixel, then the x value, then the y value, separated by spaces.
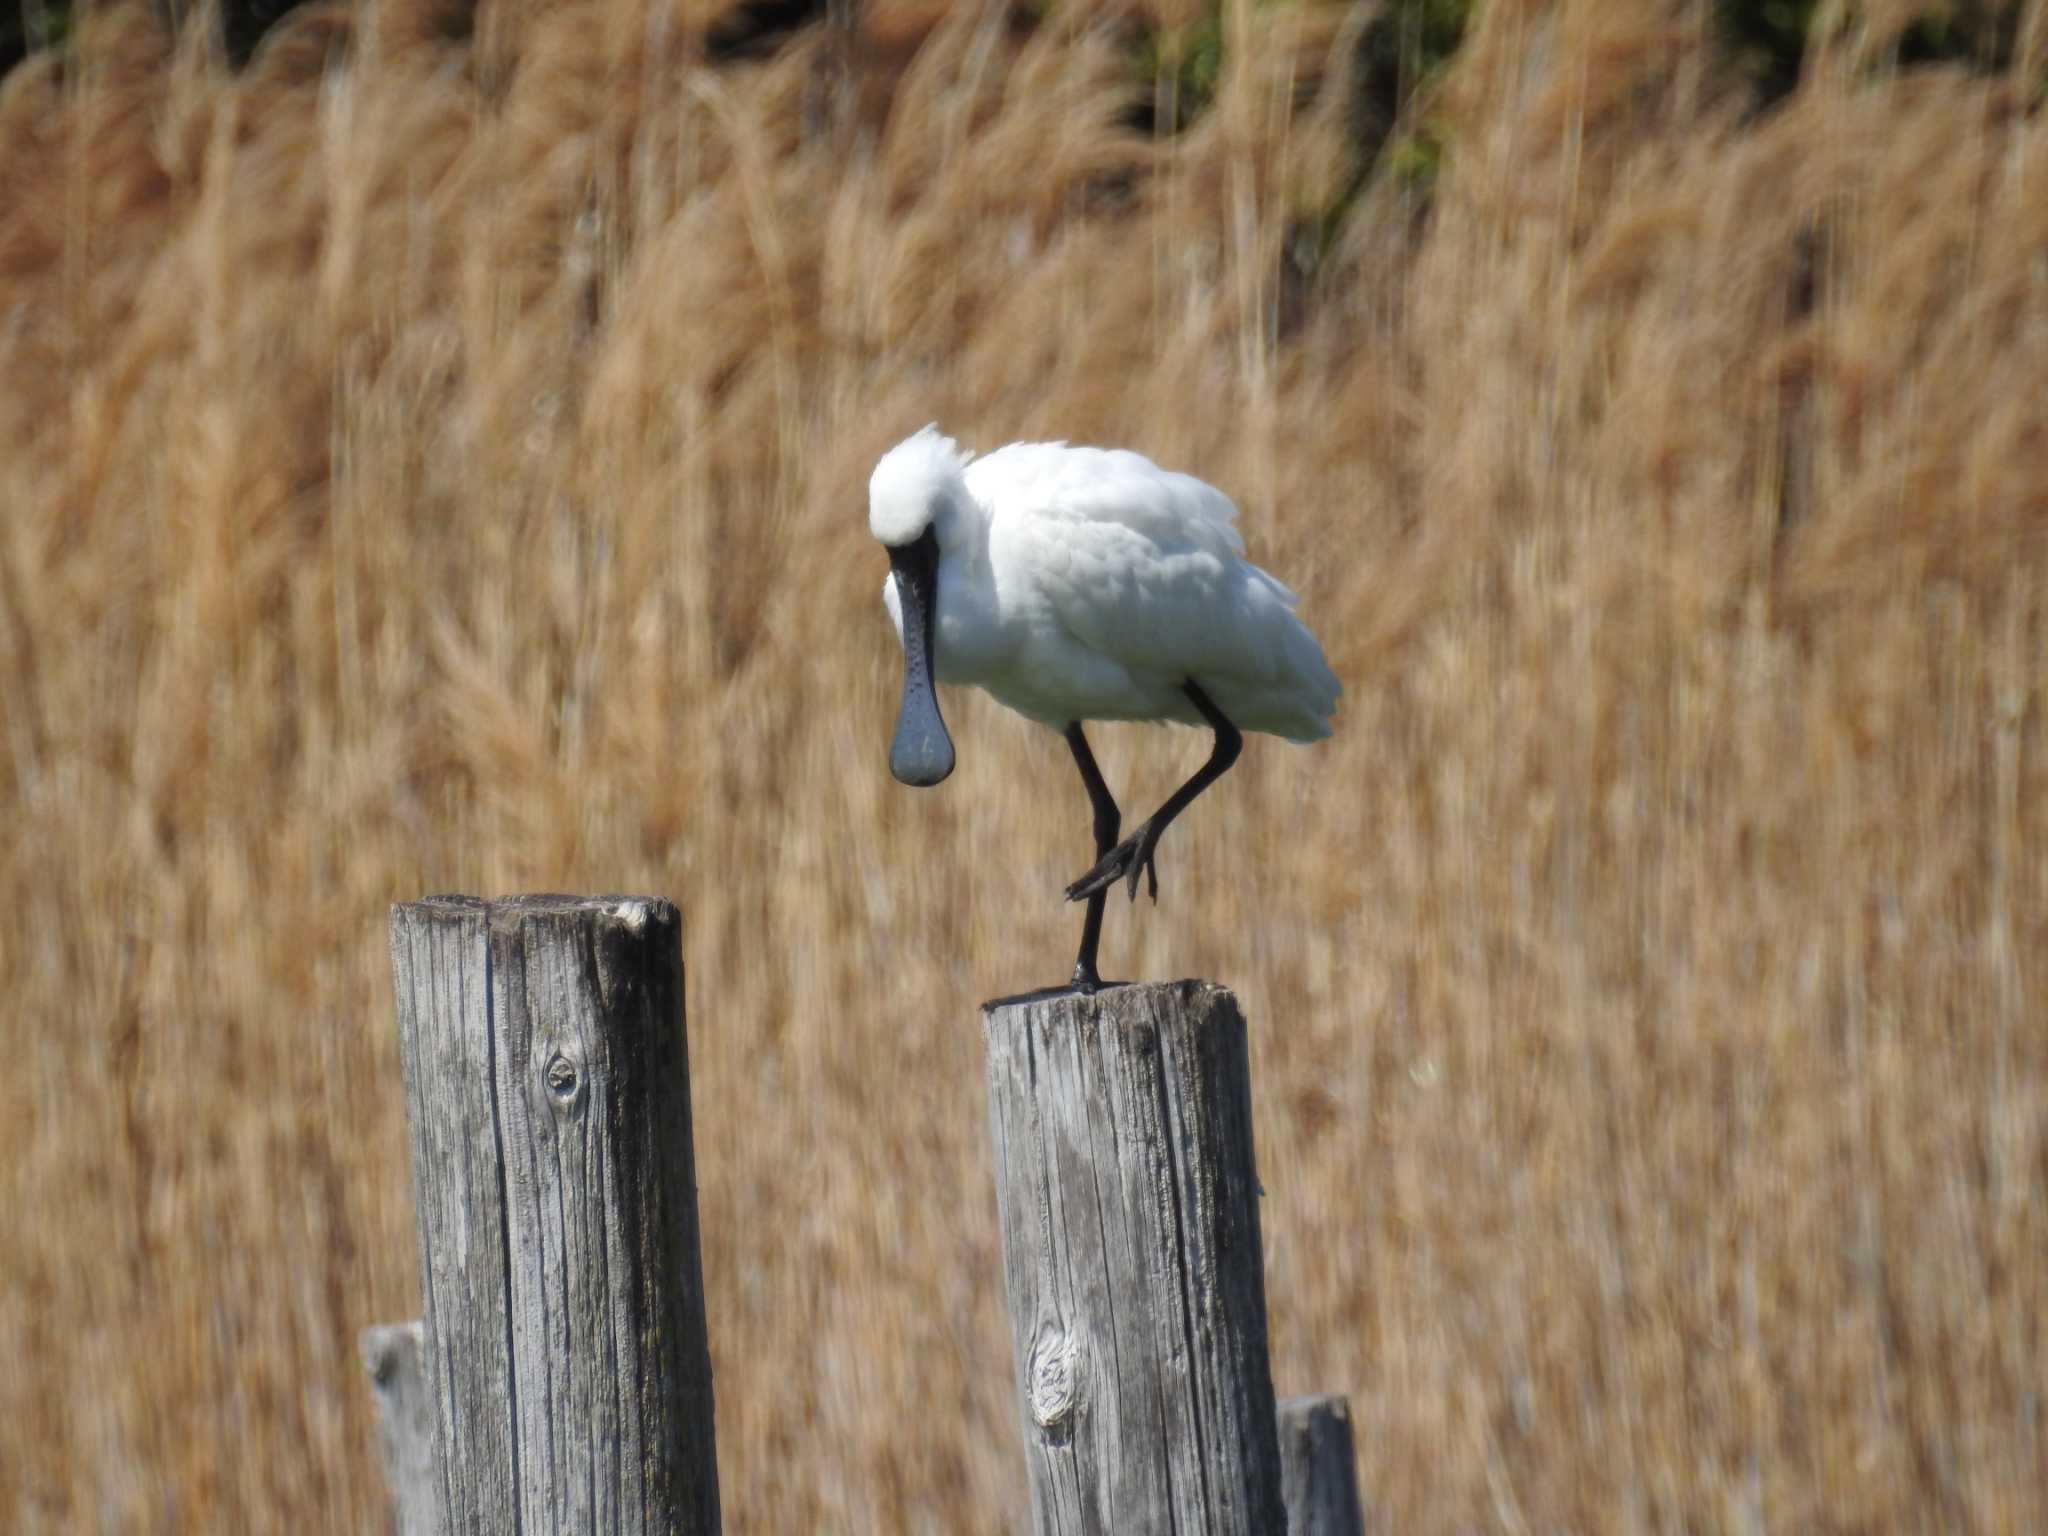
pixel 1768 39
pixel 1179 69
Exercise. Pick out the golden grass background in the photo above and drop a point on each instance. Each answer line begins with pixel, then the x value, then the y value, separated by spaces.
pixel 435 458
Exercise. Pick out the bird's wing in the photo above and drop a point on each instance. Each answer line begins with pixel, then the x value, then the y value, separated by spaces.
pixel 1106 485
pixel 1140 564
pixel 1111 487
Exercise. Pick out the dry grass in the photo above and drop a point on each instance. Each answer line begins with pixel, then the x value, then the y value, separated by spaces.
pixel 437 461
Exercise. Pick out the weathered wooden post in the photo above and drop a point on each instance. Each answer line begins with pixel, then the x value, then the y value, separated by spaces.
pixel 1129 1209
pixel 394 1354
pixel 1318 1472
pixel 548 1094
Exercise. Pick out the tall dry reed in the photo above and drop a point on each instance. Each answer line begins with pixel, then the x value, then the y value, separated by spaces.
pixel 434 459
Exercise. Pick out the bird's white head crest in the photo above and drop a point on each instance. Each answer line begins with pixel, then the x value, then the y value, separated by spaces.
pixel 915 485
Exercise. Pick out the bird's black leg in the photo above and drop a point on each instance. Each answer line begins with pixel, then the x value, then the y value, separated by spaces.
pixel 1135 852
pixel 1108 822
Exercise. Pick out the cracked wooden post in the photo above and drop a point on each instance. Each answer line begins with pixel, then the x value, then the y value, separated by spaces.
pixel 548 1096
pixel 1130 1221
pixel 1318 1470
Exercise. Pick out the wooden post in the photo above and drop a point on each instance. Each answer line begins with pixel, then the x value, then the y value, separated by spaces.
pixel 1318 1473
pixel 548 1093
pixel 1129 1210
pixel 394 1355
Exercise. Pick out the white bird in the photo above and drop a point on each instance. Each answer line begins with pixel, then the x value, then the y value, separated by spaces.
pixel 1085 584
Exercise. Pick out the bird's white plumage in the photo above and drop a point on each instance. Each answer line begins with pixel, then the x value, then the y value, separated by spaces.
pixel 1089 584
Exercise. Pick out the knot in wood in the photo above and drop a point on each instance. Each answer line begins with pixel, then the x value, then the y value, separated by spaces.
pixel 1052 1376
pixel 565 1083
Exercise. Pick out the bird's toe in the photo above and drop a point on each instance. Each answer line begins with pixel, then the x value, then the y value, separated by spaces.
pixel 1106 873
pixel 1139 852
pixel 1122 863
pixel 1151 878
pixel 1096 879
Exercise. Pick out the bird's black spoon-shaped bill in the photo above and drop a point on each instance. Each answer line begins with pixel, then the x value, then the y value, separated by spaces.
pixel 922 752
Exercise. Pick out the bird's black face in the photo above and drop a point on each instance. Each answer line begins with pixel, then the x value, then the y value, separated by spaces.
pixel 922 752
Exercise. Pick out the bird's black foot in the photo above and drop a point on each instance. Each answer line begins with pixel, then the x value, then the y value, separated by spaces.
pixel 1122 862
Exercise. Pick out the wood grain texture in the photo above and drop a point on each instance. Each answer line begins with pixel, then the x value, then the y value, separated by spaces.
pixel 1129 1210
pixel 394 1355
pixel 547 1086
pixel 1318 1468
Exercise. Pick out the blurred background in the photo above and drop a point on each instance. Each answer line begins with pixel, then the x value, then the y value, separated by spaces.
pixel 433 455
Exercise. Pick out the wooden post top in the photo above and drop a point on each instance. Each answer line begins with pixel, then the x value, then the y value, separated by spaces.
pixel 635 912
pixel 1117 998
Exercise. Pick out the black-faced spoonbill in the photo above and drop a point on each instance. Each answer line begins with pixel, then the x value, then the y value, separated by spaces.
pixel 1085 584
